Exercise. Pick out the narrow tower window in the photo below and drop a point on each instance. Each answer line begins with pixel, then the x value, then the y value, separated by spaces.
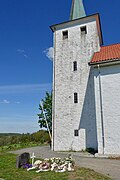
pixel 75 66
pixel 75 97
pixel 83 30
pixel 65 34
pixel 76 133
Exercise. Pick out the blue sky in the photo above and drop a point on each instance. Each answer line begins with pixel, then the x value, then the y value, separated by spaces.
pixel 25 65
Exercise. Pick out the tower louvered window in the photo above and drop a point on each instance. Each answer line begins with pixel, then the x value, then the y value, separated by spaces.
pixel 65 34
pixel 83 30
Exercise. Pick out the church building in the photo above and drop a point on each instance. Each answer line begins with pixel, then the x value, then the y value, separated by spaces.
pixel 86 86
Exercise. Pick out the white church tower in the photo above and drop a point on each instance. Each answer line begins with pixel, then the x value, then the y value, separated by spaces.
pixel 74 117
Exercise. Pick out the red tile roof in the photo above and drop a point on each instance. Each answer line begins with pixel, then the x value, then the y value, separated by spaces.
pixel 107 53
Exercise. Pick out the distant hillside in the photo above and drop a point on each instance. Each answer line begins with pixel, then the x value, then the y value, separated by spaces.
pixel 9 134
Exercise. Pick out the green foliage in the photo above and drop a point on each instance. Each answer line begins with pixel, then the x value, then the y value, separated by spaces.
pixel 23 140
pixel 40 136
pixel 8 171
pixel 47 107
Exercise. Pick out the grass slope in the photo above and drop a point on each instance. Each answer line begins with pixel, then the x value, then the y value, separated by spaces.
pixel 8 171
pixel 19 146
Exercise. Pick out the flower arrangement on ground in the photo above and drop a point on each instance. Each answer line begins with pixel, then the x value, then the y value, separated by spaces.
pixel 55 164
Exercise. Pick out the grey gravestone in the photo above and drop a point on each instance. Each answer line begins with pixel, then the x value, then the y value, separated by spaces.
pixel 23 159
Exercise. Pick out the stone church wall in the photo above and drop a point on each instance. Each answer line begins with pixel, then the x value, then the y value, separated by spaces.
pixel 68 116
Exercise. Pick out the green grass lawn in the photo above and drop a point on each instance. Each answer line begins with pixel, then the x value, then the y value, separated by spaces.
pixel 8 171
pixel 19 146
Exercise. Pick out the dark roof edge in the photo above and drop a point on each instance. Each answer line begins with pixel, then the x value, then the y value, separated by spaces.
pixel 103 62
pixel 74 20
pixel 100 29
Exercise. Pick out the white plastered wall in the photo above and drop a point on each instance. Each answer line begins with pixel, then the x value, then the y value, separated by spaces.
pixel 109 103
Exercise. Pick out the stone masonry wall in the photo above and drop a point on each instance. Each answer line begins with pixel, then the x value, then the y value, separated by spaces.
pixel 68 116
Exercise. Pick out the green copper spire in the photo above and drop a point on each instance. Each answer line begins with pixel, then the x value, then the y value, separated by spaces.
pixel 77 10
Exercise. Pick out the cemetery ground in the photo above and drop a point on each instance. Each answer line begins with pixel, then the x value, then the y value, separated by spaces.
pixel 108 167
pixel 8 171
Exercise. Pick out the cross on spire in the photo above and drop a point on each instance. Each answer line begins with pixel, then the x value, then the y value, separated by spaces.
pixel 77 10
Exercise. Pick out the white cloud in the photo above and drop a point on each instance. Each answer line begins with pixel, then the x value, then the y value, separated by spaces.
pixel 22 52
pixel 5 101
pixel 25 55
pixel 25 88
pixel 49 53
pixel 17 102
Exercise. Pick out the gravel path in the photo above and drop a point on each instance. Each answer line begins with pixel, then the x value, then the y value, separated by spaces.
pixel 105 166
